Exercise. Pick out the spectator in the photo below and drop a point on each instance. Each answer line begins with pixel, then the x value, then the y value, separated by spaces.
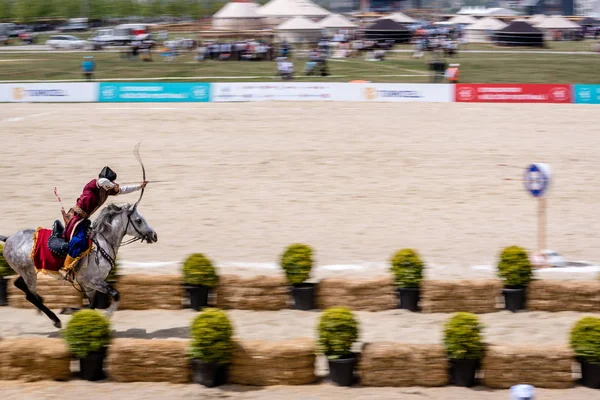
pixel 88 66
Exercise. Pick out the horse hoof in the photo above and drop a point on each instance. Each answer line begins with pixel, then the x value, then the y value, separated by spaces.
pixel 58 324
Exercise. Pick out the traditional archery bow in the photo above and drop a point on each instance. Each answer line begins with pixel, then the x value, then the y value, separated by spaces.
pixel 136 152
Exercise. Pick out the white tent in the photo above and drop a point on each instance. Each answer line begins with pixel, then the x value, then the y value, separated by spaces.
pixel 293 8
pixel 557 22
pixel 298 30
pixel 337 21
pixel 462 19
pixel 400 17
pixel 536 19
pixel 238 15
pixel 482 11
pixel 501 12
pixel 479 32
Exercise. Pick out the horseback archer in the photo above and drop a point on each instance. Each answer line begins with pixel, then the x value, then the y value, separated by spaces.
pixel 73 239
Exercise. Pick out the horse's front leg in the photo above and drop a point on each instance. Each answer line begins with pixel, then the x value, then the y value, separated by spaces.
pixel 103 287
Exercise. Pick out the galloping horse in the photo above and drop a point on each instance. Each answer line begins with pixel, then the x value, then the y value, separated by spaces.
pixel 108 231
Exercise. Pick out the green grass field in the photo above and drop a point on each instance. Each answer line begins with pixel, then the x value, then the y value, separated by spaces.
pixel 399 67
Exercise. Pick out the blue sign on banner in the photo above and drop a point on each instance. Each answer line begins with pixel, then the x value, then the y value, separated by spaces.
pixel 154 92
pixel 586 94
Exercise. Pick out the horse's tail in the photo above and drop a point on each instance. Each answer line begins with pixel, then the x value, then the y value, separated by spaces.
pixel 3 238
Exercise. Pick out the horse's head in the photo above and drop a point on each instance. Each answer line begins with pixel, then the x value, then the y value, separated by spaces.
pixel 138 227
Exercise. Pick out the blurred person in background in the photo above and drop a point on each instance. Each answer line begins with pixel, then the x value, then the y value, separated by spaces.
pixel 88 66
pixel 77 221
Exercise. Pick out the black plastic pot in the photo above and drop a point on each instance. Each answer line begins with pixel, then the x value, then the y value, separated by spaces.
pixel 409 298
pixel 590 374
pixel 198 296
pixel 514 298
pixel 3 292
pixel 209 374
pixel 341 371
pixel 462 372
pixel 304 296
pixel 101 301
pixel 92 367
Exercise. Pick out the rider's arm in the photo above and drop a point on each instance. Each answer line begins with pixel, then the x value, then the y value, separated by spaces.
pixel 125 189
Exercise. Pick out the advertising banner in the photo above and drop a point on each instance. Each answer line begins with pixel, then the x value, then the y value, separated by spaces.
pixel 513 93
pixel 276 91
pixel 586 94
pixel 49 92
pixel 403 92
pixel 154 92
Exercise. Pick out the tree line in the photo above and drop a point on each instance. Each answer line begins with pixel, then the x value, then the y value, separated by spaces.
pixel 25 11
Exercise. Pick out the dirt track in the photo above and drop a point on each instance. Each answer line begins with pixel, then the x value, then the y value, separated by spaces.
pixel 356 181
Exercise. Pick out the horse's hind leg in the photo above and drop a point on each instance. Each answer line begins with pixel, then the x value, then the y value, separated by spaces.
pixel 36 300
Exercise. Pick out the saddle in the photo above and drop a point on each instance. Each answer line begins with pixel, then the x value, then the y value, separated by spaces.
pixel 56 243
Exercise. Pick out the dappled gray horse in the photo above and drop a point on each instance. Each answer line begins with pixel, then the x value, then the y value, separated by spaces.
pixel 108 231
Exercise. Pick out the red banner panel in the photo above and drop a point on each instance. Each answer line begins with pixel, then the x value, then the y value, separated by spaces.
pixel 512 93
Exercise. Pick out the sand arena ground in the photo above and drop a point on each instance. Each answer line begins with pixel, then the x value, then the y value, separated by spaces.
pixel 356 181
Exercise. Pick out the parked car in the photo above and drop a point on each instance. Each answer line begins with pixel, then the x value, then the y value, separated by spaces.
pixel 66 42
pixel 554 259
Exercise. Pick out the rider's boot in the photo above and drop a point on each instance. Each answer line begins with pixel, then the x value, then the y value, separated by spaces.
pixel 67 271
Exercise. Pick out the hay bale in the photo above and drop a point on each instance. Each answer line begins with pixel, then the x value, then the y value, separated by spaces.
pixel 140 360
pixel 148 292
pixel 476 296
pixel 265 363
pixel 544 366
pixel 259 293
pixel 34 359
pixel 556 296
pixel 359 294
pixel 400 365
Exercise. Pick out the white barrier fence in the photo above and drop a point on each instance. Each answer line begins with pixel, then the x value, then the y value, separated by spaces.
pixel 242 92
pixel 49 93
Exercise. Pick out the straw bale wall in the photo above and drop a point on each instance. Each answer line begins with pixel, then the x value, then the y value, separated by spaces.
pixel 543 366
pixel 399 364
pixel 57 294
pixel 147 292
pixel 266 363
pixel 358 294
pixel 141 360
pixel 476 296
pixel 549 295
pixel 34 359
pixel 261 293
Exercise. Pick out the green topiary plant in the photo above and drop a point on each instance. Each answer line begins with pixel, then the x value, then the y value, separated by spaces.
pixel 5 269
pixel 515 267
pixel 211 337
pixel 407 268
pixel 585 339
pixel 297 263
pixel 462 337
pixel 338 330
pixel 88 331
pixel 199 270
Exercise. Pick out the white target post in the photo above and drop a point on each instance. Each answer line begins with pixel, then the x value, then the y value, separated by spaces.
pixel 537 178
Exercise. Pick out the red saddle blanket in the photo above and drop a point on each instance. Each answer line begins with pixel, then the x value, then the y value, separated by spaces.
pixel 43 259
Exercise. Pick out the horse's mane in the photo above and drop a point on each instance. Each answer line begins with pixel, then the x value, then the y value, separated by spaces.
pixel 104 220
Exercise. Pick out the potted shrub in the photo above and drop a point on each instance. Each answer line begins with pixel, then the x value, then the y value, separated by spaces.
pixel 407 268
pixel 211 348
pixel 585 342
pixel 297 263
pixel 338 330
pixel 101 300
pixel 5 271
pixel 464 346
pixel 88 335
pixel 515 269
pixel 199 276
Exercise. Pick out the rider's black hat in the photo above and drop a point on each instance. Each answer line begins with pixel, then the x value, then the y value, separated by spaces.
pixel 108 174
